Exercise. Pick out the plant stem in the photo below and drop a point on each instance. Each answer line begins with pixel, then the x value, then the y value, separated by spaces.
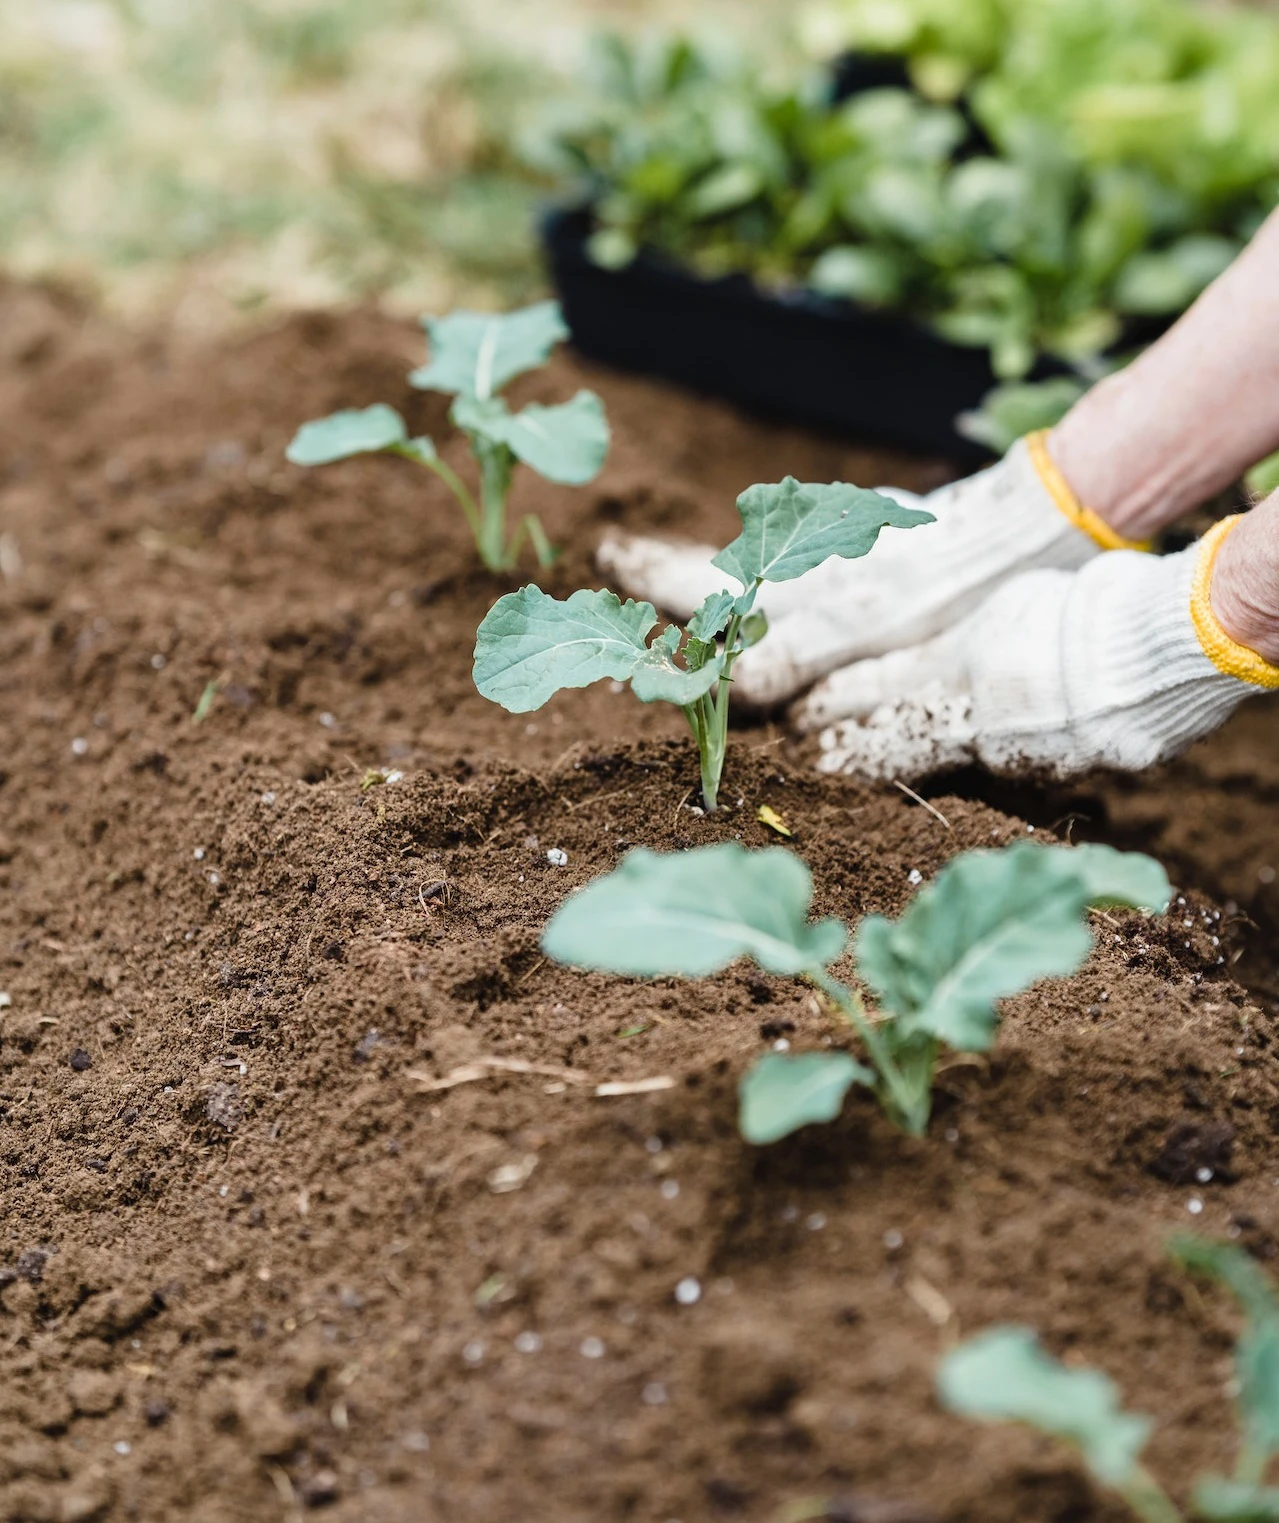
pixel 495 482
pixel 1149 1500
pixel 906 1108
pixel 711 729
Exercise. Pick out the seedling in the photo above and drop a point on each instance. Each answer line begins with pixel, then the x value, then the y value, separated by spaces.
pixel 473 355
pixel 531 645
pixel 1005 1376
pixel 991 924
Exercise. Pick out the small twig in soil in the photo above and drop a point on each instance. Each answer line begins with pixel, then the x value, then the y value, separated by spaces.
pixel 540 963
pixel 923 803
pixel 679 806
pixel 595 798
pixel 634 1087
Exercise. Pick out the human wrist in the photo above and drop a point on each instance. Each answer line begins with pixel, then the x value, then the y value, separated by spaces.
pixel 1244 590
pixel 1134 487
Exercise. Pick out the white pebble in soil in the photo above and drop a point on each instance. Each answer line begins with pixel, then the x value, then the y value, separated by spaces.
pixel 1204 1176
pixel 670 1189
pixel 689 1291
pixel 122 1446
pixel 79 746
pixel 893 1240
pixel 781 1045
pixel 654 1394
pixel 528 1343
pixel 653 1145
pixel 592 1348
pixel 329 721
pixel 159 662
pixel 1194 1205
pixel 199 854
pixel 556 857
pixel 815 1222
pixel 914 876
pixel 473 1353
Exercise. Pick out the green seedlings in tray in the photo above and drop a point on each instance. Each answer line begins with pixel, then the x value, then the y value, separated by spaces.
pixel 1003 1375
pixel 991 924
pixel 531 645
pixel 474 355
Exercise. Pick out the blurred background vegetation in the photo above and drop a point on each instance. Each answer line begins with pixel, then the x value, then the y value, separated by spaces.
pixel 208 161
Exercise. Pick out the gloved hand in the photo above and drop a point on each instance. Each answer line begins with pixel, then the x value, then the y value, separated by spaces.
pixel 1121 664
pixel 1013 517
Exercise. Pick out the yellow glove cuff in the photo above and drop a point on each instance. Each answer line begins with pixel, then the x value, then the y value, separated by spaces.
pixel 1057 487
pixel 1226 655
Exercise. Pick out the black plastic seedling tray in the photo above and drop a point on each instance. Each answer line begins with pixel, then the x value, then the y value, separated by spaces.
pixel 828 364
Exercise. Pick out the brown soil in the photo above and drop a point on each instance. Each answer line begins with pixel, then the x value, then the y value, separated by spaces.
pixel 257 1264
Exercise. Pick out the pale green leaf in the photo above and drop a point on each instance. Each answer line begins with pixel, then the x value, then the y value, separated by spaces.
pixel 657 679
pixel 695 912
pixel 990 925
pixel 712 617
pixel 784 1091
pixel 355 431
pixel 476 353
pixel 530 645
pixel 566 444
pixel 789 528
pixel 1005 1376
pixel 1218 1500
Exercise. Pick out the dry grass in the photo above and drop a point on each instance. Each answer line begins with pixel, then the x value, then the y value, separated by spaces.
pixel 210 160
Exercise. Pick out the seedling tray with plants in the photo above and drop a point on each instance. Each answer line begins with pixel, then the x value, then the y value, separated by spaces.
pixel 418 1105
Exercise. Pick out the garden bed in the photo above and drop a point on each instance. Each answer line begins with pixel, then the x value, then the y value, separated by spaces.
pixel 260 1260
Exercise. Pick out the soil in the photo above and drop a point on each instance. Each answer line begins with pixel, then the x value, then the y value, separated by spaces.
pixel 260 1258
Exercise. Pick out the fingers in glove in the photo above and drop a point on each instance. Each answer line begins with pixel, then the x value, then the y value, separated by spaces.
pixel 931 670
pixel 677 578
pixel 905 740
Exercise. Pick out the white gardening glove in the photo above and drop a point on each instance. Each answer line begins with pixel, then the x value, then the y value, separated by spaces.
pixel 1013 517
pixel 1121 664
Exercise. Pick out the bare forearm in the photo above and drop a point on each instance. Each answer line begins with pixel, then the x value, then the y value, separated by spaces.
pixel 1193 413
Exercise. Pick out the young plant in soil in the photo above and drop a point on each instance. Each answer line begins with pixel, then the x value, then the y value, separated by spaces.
pixel 532 645
pixel 991 924
pixel 473 355
pixel 1004 1375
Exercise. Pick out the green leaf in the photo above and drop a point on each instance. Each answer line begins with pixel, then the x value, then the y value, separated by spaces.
pixel 475 354
pixel 712 617
pixel 872 276
pixel 694 913
pixel 566 444
pixel 656 678
pixel 991 924
pixel 421 449
pixel 784 1091
pixel 1220 1501
pixel 1011 411
pixel 724 190
pixel 1005 1376
pixel 530 645
pixel 355 431
pixel 789 528
pixel 1257 1352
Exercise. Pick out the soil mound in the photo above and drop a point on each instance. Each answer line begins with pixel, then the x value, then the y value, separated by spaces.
pixel 310 1202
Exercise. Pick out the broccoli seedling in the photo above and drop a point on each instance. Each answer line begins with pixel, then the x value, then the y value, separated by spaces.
pixel 991 924
pixel 531 645
pixel 1003 1375
pixel 473 355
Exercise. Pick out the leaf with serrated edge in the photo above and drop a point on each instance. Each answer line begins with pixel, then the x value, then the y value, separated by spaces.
pixel 476 353
pixel 1005 1376
pixel 656 678
pixel 712 617
pixel 990 925
pixel 566 444
pixel 784 1091
pixel 695 912
pixel 354 431
pixel 789 528
pixel 1218 1500
pixel 530 645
